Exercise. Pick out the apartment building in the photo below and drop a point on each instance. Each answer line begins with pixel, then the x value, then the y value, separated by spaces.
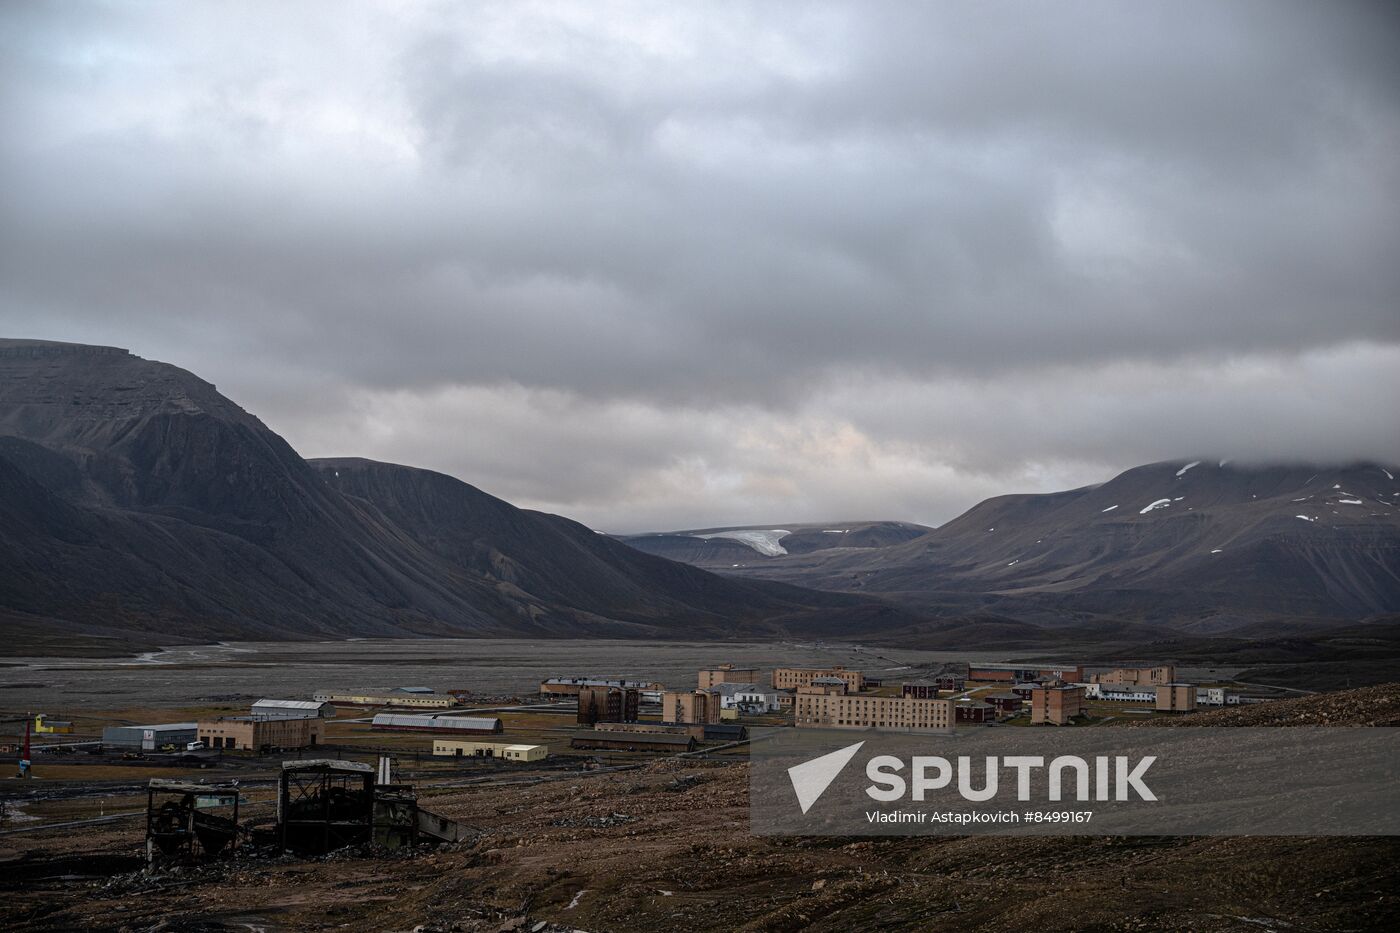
pixel 815 708
pixel 727 674
pixel 1176 698
pixel 790 678
pixel 1056 705
pixel 1136 676
pixel 607 704
pixel 693 706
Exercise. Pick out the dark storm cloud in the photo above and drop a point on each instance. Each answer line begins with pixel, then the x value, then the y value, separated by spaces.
pixel 723 237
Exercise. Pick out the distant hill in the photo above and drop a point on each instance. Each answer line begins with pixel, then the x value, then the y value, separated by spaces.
pixel 725 548
pixel 1201 545
pixel 138 504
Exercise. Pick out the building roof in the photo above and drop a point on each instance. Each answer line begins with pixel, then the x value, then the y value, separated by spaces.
pixel 1008 695
pixel 731 689
pixel 414 690
pixel 290 704
pixel 445 723
pixel 828 680
pixel 636 738
pixel 327 764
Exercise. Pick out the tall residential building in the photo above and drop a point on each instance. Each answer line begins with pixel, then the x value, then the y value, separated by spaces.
pixel 598 703
pixel 790 678
pixel 1056 705
pixel 690 706
pixel 1176 698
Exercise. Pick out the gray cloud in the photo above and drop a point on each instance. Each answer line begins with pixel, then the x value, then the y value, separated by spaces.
pixel 738 262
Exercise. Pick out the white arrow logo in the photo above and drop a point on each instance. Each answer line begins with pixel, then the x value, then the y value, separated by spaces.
pixel 811 778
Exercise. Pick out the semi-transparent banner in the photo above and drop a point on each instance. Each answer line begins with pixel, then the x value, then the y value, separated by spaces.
pixel 1313 781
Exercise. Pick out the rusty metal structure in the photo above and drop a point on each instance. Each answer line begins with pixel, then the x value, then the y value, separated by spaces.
pixel 186 821
pixel 326 804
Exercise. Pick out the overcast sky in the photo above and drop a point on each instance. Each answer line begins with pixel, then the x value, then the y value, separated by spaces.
pixel 663 265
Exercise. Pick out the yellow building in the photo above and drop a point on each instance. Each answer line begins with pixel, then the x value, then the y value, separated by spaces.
pixel 45 726
pixel 462 749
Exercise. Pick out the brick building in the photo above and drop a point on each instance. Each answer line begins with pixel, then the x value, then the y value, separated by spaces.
pixel 1176 698
pixel 607 704
pixel 250 733
pixel 1056 705
pixel 813 708
pixel 1136 676
pixel 693 706
pixel 790 678
pixel 727 674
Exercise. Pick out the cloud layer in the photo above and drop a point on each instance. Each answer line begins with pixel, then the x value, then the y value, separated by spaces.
pixel 746 262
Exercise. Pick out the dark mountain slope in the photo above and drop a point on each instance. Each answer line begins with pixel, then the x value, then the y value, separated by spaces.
pixel 137 501
pixel 1211 546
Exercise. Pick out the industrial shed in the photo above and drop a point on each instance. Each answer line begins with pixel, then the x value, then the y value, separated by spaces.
pixel 150 738
pixel 293 709
pixel 462 725
pixel 508 751
pixel 639 741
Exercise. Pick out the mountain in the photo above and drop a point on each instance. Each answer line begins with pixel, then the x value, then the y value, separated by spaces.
pixel 1202 545
pixel 139 505
pixel 727 548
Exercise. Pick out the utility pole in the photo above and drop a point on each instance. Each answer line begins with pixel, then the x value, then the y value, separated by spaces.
pixel 24 763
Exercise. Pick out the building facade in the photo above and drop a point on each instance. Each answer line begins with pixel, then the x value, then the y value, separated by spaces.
pixel 726 674
pixel 1056 705
pixel 1015 673
pixel 816 709
pixel 690 706
pixel 790 678
pixel 607 704
pixel 251 733
pixel 1136 676
pixel 1176 698
pixel 404 700
pixel 510 751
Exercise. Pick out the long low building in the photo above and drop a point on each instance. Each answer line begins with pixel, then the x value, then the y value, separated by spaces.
pixel 150 738
pixel 507 750
pixel 464 725
pixel 404 700
pixel 634 741
pixel 294 709
pixel 1016 673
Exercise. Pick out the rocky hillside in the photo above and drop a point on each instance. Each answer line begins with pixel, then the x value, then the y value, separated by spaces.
pixel 139 504
pixel 1203 545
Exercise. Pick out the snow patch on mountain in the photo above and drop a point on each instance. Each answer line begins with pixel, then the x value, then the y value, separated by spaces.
pixel 1193 463
pixel 764 542
pixel 1159 504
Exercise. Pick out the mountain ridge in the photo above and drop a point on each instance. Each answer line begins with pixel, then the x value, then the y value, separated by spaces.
pixel 137 502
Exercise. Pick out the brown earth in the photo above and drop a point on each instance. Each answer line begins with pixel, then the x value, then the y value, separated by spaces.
pixel 667 847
